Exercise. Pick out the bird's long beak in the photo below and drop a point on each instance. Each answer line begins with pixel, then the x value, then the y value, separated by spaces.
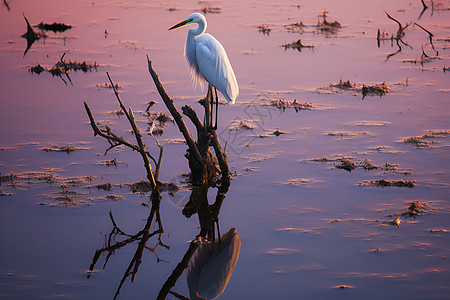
pixel 180 24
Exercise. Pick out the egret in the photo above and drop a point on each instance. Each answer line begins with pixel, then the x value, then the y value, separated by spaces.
pixel 207 60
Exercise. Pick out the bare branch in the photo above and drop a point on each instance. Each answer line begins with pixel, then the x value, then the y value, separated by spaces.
pixel 430 36
pixel 174 112
pixel 107 134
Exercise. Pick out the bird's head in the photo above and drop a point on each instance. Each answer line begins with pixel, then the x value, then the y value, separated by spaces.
pixel 193 18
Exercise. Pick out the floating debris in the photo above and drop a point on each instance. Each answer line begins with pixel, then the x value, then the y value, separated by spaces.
pixel 105 186
pixel 8 177
pixel 296 45
pixel 346 164
pixel 301 182
pixel 395 222
pixel 283 104
pixel 142 186
pixel 107 85
pixel 367 165
pixel 278 133
pixel 113 197
pixel 343 287
pixel 416 208
pixel 156 121
pixel 63 67
pixel 416 141
pixel 258 157
pixel 296 27
pixel 355 88
pixel 264 29
pixel 424 59
pixel 369 123
pixel 389 182
pixel 384 36
pixel 250 169
pixel 169 187
pixel 209 9
pixel 327 28
pixel 349 164
pixel 427 140
pixel 376 89
pixel 67 149
pixel 241 125
pixel 55 27
pixel 112 162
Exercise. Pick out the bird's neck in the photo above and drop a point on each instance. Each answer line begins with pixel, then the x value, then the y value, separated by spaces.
pixel 199 30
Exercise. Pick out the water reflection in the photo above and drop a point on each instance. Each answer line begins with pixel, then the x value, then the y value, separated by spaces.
pixel 212 266
pixel 31 36
pixel 214 262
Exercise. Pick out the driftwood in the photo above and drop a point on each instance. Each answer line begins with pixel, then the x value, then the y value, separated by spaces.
pixel 207 170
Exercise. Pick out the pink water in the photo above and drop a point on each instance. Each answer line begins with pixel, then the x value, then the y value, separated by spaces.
pixel 291 249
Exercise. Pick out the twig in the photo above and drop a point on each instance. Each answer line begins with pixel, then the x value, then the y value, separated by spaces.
pixel 401 29
pixel 137 134
pixel 425 7
pixel 107 134
pixel 7 5
pixel 430 35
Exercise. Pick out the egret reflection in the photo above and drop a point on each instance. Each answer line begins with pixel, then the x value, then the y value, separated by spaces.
pixel 212 266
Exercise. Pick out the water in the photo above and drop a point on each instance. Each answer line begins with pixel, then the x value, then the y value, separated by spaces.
pixel 306 227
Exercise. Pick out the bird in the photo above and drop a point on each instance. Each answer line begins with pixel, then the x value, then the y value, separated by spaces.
pixel 207 60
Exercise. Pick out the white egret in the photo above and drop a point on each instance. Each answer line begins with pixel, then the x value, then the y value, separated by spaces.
pixel 207 60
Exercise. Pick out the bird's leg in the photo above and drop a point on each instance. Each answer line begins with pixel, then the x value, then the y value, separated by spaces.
pixel 211 107
pixel 217 110
pixel 207 105
pixel 218 230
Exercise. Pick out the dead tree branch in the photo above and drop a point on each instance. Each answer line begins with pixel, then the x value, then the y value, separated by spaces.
pixel 205 169
pixel 174 112
pixel 430 36
pixel 143 235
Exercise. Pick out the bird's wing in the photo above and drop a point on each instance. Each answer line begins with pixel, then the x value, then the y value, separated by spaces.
pixel 215 67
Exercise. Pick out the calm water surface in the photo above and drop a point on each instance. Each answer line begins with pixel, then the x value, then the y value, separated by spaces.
pixel 306 227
